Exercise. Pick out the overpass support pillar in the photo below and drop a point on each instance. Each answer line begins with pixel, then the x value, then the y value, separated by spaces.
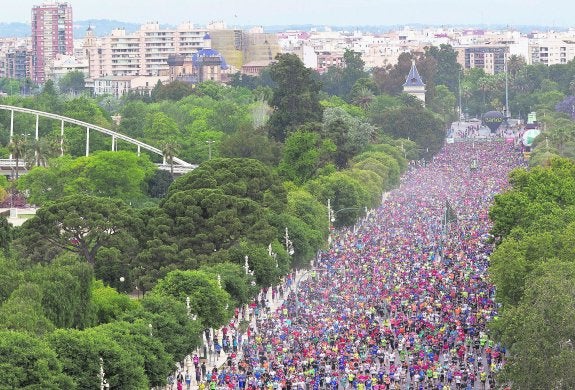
pixel 11 128
pixel 87 141
pixel 62 138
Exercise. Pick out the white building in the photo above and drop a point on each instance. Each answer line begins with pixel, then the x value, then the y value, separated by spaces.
pixel 144 52
pixel 119 86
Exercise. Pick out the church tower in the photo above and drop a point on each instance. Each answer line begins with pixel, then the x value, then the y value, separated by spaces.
pixel 414 84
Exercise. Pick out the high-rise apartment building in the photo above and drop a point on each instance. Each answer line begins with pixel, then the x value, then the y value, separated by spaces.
pixel 144 52
pixel 52 34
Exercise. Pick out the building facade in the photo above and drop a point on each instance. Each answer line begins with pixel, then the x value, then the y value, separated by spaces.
pixel 490 58
pixel 52 34
pixel 142 53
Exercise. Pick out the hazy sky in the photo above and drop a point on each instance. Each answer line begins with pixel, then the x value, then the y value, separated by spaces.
pixel 319 12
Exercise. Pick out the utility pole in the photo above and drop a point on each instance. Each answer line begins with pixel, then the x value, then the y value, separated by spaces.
pixel 507 113
pixel 459 92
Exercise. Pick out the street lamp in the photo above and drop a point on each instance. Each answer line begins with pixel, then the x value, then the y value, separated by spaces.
pixel 273 255
pixel 151 327
pixel 210 142
pixel 288 243
pixel 330 220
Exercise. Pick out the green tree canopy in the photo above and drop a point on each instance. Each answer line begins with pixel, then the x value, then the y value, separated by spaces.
pixel 304 153
pixel 72 83
pixel 79 224
pixel 29 363
pixel 296 96
pixel 207 299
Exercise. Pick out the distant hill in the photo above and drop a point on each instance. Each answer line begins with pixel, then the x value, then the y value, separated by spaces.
pixel 103 27
pixel 14 30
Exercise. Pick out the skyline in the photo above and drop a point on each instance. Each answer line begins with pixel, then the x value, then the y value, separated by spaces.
pixel 552 13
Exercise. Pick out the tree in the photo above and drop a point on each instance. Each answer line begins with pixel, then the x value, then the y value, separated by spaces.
pixel 350 135
pixel 362 96
pixel 214 220
pixel 561 133
pixel 448 69
pixel 72 83
pixel 308 209
pixel 29 363
pixel 175 90
pixel 171 323
pixel 82 352
pixel 415 123
pixel 344 192
pixel 443 103
pixel 96 175
pixel 110 305
pixel 207 299
pixel 10 277
pixel 169 151
pixel 23 311
pixel 296 96
pixel 381 163
pixel 234 280
pixel 567 106
pixel 17 148
pixel 304 153
pixel 160 127
pixel 244 178
pixel 158 184
pixel 73 309
pixel 339 81
pixel 251 143
pixel 514 64
pixel 539 331
pixel 38 153
pixel 79 224
pixel 390 80
pixel 146 350
pixel 5 234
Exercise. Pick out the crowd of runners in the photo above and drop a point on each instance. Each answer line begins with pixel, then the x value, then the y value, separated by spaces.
pixel 401 301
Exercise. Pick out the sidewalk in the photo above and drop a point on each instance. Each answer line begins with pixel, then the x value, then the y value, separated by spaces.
pixel 217 362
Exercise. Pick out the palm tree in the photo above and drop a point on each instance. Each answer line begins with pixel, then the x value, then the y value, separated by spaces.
pixel 38 152
pixel 363 97
pixel 17 148
pixel 169 150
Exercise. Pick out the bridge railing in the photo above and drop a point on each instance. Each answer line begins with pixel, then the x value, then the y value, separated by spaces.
pixel 89 126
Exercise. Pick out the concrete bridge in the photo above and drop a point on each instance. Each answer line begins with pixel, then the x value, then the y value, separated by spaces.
pixel 8 166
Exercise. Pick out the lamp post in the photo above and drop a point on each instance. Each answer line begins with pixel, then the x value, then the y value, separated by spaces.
pixel 210 142
pixel 289 244
pixel 330 219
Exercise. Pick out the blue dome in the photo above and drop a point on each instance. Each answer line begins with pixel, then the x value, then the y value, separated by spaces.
pixel 196 57
pixel 207 37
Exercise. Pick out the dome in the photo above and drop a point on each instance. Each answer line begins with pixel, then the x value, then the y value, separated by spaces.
pixel 208 53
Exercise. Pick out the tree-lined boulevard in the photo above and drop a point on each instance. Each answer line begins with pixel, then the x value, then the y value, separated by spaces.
pixel 389 257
